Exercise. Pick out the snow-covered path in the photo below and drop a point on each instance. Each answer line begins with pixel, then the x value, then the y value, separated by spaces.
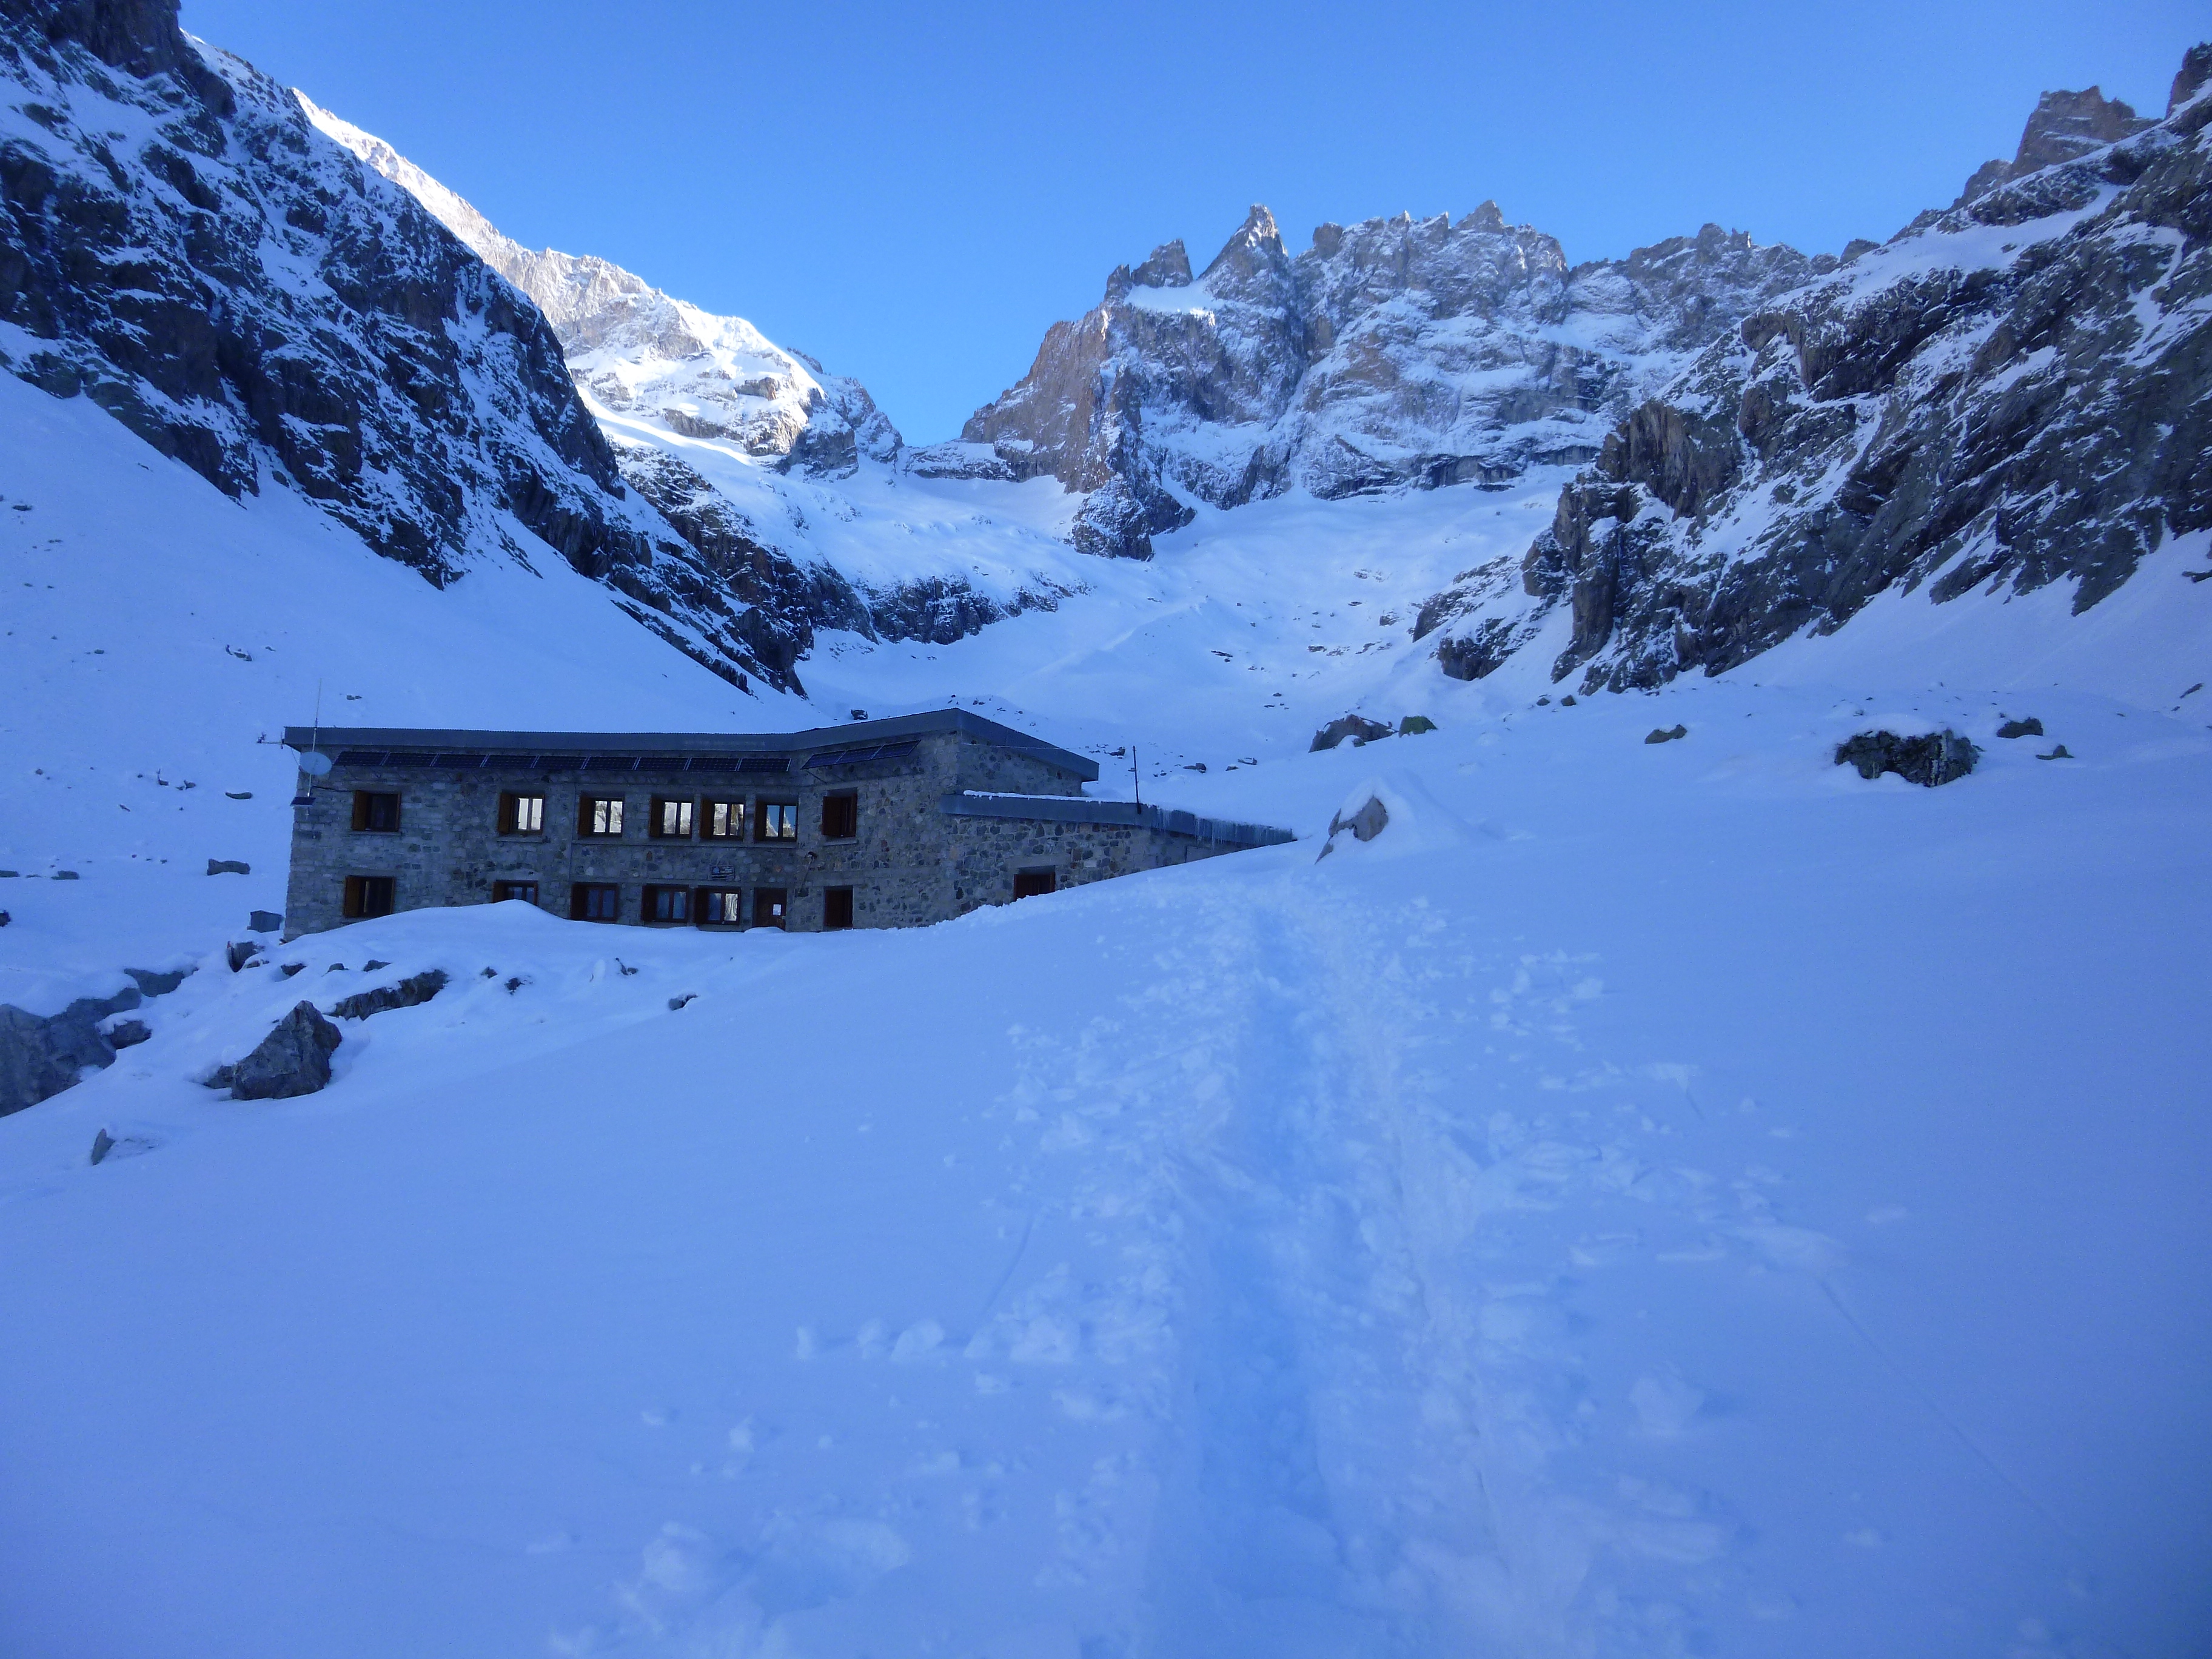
pixel 1650 1201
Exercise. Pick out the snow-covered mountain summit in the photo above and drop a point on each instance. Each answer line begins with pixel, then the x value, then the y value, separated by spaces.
pixel 635 348
pixel 1395 352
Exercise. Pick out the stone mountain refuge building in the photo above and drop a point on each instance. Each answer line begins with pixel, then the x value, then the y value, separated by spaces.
pixel 880 824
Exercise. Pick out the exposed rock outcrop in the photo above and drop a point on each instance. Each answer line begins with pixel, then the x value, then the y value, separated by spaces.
pixel 409 992
pixel 1933 759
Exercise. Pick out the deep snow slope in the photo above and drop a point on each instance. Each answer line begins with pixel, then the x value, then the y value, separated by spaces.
pixel 153 632
pixel 1653 1200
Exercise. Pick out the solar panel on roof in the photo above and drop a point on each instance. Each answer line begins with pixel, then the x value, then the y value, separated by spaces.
pixel 460 761
pixel 509 762
pixel 855 757
pixel 713 762
pixel 765 763
pixel 360 757
pixel 611 763
pixel 401 759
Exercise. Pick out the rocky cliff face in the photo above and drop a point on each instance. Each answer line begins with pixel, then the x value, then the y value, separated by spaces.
pixel 180 243
pixel 1394 353
pixel 2015 392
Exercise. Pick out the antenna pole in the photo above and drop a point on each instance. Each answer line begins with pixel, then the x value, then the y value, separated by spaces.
pixel 1136 775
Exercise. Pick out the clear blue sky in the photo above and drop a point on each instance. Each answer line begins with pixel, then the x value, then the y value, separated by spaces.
pixel 914 194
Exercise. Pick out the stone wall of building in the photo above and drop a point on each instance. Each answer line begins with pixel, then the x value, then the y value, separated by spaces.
pixel 909 863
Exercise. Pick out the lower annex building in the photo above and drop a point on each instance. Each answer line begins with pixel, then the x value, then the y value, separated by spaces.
pixel 880 824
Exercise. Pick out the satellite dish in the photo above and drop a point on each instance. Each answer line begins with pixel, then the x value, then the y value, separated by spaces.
pixel 315 763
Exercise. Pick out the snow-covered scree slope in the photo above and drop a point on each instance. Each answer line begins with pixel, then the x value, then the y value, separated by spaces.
pixel 152 630
pixel 2013 394
pixel 788 481
pixel 1649 1200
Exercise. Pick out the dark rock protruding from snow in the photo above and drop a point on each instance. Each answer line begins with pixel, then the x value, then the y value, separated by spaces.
pixel 417 988
pixel 1667 734
pixel 2030 727
pixel 229 867
pixel 1357 727
pixel 1938 757
pixel 40 1057
pixel 264 921
pixel 293 1059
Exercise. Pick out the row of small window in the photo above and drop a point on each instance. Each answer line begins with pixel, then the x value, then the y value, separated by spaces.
pixel 667 817
pixel 596 901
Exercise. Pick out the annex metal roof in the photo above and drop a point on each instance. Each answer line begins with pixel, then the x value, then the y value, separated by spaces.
pixel 645 752
pixel 1074 808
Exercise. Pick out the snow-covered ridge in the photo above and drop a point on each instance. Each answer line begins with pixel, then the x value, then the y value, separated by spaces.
pixel 637 350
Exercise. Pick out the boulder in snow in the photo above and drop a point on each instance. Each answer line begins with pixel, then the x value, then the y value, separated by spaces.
pixel 1934 758
pixel 2030 727
pixel 1661 734
pixel 419 988
pixel 229 867
pixel 1357 727
pixel 293 1059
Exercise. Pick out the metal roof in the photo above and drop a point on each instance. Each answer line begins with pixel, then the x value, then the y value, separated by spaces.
pixel 1073 809
pixel 832 738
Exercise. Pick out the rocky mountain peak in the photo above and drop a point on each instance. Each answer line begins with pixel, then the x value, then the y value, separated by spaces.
pixel 1168 267
pixel 2067 124
pixel 2063 127
pixel 1487 218
pixel 2189 80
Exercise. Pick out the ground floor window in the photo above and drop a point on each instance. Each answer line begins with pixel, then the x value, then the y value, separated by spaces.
pixel 668 904
pixel 503 891
pixel 593 901
pixel 1028 883
pixel 836 907
pixel 369 896
pixel 722 907
pixel 769 906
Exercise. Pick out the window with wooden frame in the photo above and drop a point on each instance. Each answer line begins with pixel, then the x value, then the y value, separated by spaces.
pixel 722 907
pixel 670 819
pixel 376 812
pixel 723 820
pixel 600 816
pixel 522 815
pixel 501 891
pixel 594 901
pixel 666 904
pixel 776 820
pixel 369 896
pixel 836 907
pixel 841 816
pixel 769 904
pixel 1029 883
